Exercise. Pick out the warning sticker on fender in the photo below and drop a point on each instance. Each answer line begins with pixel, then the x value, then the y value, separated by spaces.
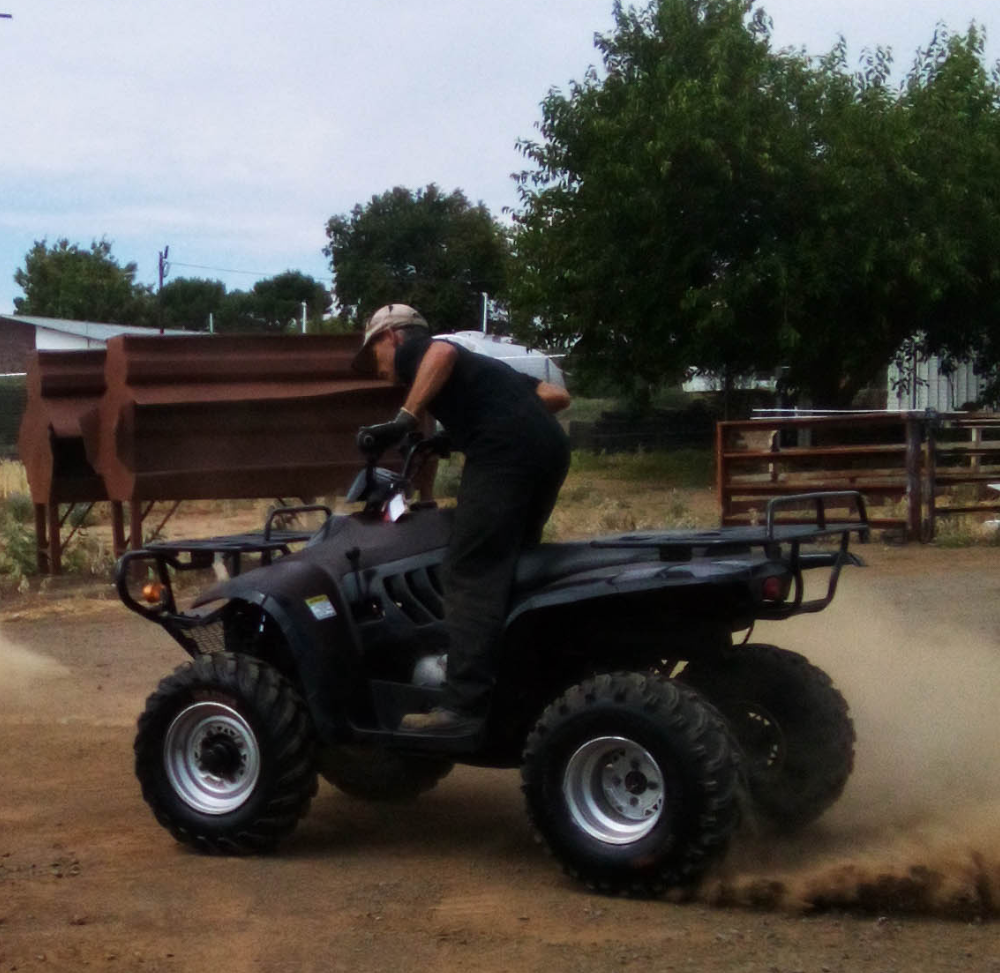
pixel 321 608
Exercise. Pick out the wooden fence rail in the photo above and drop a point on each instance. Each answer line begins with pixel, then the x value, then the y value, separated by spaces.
pixel 911 467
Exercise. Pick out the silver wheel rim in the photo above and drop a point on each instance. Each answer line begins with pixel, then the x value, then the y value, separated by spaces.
pixel 614 790
pixel 211 757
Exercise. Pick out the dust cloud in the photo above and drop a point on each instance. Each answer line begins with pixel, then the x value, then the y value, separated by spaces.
pixel 918 827
pixel 22 672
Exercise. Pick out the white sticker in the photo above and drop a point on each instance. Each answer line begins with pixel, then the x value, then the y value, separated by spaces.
pixel 321 608
pixel 397 507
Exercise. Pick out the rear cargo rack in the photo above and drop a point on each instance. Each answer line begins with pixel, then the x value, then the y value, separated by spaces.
pixel 772 536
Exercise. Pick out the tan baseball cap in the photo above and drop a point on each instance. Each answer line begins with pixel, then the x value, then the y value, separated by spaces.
pixel 387 318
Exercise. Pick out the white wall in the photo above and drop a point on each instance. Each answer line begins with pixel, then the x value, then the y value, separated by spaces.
pixel 48 340
pixel 932 388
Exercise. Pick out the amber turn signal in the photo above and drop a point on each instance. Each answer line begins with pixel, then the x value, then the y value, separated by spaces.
pixel 152 592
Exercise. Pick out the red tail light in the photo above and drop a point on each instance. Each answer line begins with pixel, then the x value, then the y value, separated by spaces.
pixel 773 589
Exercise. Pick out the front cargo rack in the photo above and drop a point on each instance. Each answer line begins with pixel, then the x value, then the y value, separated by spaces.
pixel 230 551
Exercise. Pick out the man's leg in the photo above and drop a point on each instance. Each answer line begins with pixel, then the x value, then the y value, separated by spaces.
pixel 502 508
pixel 494 507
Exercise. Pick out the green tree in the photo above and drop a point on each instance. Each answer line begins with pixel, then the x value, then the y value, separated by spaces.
pixel 901 218
pixel 278 301
pixel 238 313
pixel 425 248
pixel 639 237
pixel 955 155
pixel 67 281
pixel 274 306
pixel 186 302
pixel 705 201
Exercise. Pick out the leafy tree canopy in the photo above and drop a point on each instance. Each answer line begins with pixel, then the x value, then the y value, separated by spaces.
pixel 67 281
pixel 705 201
pixel 278 301
pixel 186 302
pixel 273 306
pixel 425 248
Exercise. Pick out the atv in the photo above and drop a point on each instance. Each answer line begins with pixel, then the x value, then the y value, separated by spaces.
pixel 644 729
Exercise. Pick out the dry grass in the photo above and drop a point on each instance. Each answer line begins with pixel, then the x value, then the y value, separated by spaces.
pixel 13 480
pixel 633 491
pixel 611 493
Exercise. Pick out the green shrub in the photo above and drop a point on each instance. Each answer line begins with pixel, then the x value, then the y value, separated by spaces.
pixel 18 556
pixel 19 507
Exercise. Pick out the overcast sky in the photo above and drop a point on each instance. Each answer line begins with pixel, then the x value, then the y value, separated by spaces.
pixel 233 129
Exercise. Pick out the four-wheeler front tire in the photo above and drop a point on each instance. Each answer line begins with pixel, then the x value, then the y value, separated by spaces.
pixel 792 726
pixel 225 754
pixel 632 781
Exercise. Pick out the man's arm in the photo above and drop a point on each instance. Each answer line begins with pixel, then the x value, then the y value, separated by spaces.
pixel 434 370
pixel 554 397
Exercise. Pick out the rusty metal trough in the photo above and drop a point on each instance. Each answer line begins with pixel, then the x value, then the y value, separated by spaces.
pixel 196 418
pixel 62 388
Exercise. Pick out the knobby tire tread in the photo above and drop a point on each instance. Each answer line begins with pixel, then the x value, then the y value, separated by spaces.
pixel 712 790
pixel 285 737
pixel 814 718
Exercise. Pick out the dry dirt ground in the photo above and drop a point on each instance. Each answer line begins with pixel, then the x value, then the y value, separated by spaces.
pixel 902 875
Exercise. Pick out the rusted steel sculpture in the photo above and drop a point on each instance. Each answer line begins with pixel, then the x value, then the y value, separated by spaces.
pixel 164 418
pixel 62 388
pixel 233 416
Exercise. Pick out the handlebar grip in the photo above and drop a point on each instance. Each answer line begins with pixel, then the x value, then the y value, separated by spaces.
pixel 366 442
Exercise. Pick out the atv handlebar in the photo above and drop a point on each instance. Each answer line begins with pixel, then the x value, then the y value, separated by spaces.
pixel 376 486
pixel 412 446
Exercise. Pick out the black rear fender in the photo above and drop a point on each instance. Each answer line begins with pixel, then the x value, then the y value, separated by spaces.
pixel 623 630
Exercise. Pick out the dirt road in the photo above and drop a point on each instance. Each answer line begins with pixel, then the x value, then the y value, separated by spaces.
pixel 904 874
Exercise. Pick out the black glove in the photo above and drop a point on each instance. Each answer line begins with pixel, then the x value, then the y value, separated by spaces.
pixel 378 438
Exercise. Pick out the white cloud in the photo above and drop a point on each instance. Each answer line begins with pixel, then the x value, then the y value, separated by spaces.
pixel 234 129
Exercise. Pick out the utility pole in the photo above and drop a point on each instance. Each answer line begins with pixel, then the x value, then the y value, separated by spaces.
pixel 164 266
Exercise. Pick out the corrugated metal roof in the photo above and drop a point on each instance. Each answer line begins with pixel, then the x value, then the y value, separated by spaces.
pixel 90 329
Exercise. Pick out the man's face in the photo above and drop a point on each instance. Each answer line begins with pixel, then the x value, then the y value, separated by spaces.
pixel 384 349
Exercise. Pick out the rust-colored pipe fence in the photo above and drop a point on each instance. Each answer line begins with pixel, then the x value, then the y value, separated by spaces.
pixel 911 467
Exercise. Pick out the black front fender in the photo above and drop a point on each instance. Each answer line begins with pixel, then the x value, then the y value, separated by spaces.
pixel 307 606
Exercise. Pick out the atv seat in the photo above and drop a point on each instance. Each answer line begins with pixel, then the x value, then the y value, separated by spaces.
pixel 551 562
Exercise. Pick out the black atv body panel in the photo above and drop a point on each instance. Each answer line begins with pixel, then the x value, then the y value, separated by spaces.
pixel 349 616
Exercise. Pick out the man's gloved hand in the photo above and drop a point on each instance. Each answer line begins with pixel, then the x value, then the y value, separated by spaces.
pixel 378 438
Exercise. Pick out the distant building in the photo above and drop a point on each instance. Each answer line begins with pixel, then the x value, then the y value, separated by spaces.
pixel 928 387
pixel 530 361
pixel 22 334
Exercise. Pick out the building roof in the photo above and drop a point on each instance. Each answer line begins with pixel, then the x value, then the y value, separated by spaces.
pixel 89 329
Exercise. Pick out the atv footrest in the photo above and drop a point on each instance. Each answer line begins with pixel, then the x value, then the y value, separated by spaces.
pixel 393 700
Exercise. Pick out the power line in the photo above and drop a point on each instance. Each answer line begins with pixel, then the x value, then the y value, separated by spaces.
pixel 230 270
pixel 409 278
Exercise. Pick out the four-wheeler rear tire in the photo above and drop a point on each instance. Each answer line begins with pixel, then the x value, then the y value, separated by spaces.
pixel 376 774
pixel 791 724
pixel 633 782
pixel 225 754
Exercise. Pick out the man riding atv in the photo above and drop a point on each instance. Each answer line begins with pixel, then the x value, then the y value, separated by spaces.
pixel 516 458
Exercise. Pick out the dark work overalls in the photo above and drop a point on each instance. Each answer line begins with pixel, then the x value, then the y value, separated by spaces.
pixel 516 458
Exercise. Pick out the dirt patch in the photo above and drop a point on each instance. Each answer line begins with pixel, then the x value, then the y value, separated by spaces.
pixel 918 828
pixel 898 876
